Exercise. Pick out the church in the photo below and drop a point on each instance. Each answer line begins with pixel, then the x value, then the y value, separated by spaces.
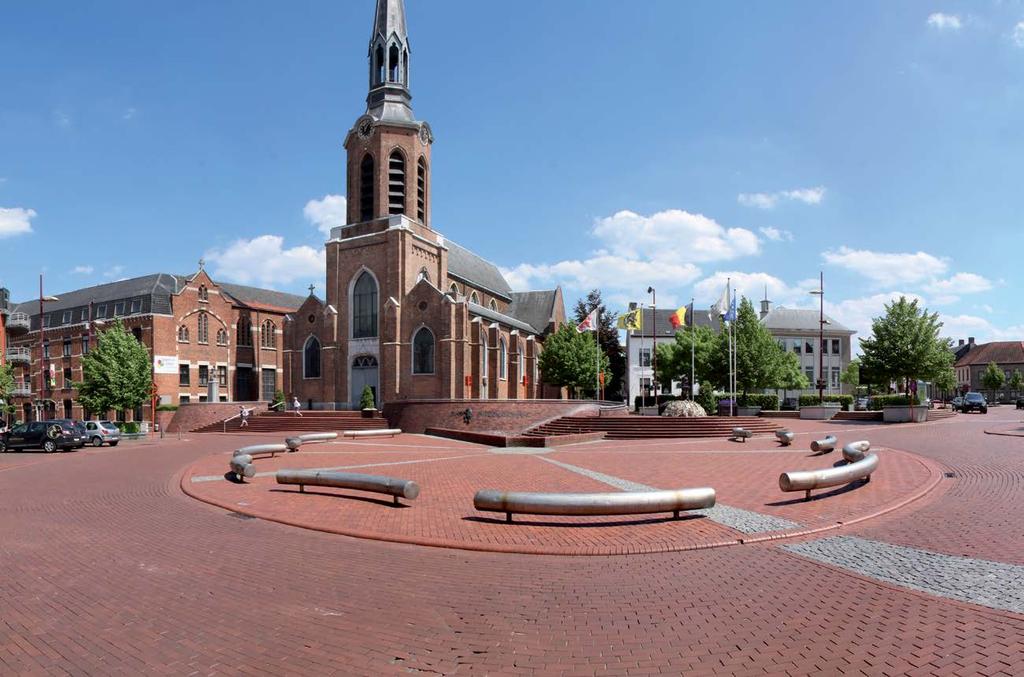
pixel 410 314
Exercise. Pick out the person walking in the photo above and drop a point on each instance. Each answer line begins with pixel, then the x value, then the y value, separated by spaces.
pixel 297 406
pixel 244 414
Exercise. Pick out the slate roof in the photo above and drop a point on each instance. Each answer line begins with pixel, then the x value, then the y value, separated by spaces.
pixel 268 298
pixel 663 325
pixel 801 319
pixel 478 272
pixel 495 316
pixel 1000 352
pixel 535 308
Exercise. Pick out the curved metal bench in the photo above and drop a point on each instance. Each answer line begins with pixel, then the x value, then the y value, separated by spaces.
pixel 262 450
pixel 371 433
pixel 826 445
pixel 293 443
pixel 855 451
pixel 242 466
pixel 807 480
pixel 741 434
pixel 619 503
pixel 378 484
pixel 785 437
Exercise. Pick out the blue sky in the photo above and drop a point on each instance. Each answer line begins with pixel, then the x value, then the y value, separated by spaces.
pixel 581 142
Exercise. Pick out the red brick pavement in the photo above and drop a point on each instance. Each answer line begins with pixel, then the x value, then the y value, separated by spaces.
pixel 109 569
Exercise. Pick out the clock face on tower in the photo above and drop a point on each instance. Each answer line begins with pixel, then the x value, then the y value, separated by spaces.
pixel 364 127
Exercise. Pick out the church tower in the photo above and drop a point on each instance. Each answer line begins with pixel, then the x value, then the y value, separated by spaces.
pixel 388 149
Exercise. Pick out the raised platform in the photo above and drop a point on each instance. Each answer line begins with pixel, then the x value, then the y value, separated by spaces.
pixel 310 421
pixel 653 427
pixel 528 441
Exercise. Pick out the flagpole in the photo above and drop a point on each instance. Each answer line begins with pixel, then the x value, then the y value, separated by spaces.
pixel 732 397
pixel 597 371
pixel 693 362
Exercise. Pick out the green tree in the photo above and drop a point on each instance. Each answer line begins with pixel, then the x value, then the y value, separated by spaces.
pixel 851 375
pixel 993 378
pixel 569 360
pixel 792 375
pixel 6 390
pixel 366 401
pixel 608 335
pixel 905 346
pixel 674 358
pixel 945 382
pixel 117 374
pixel 1016 382
pixel 759 357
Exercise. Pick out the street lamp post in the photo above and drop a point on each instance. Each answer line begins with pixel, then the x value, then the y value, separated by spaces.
pixel 42 364
pixel 654 343
pixel 820 293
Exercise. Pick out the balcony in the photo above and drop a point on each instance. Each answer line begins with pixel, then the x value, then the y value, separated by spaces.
pixel 18 324
pixel 22 390
pixel 19 356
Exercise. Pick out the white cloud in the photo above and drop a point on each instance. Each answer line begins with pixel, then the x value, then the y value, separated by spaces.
pixel 966 326
pixel 114 271
pixel 944 22
pixel 809 196
pixel 776 235
pixel 1018 34
pixel 635 251
pixel 128 114
pixel 753 285
pixel 888 268
pixel 82 270
pixel 15 221
pixel 263 260
pixel 950 290
pixel 326 213
pixel 61 119
pixel 858 313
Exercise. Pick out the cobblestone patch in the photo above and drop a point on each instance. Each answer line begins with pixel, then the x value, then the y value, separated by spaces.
pixel 992 584
pixel 744 521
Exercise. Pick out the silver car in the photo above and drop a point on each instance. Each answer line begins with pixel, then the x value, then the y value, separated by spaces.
pixel 99 432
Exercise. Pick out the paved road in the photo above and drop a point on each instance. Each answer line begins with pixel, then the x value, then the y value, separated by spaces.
pixel 107 568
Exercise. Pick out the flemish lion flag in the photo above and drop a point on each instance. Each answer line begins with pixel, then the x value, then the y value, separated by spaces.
pixel 631 321
pixel 678 318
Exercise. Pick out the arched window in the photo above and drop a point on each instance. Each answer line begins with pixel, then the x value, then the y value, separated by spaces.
pixel 203 328
pixel 222 337
pixel 421 190
pixel 423 352
pixel 521 368
pixel 311 358
pixel 394 64
pixel 396 183
pixel 492 305
pixel 268 337
pixel 367 181
pixel 204 295
pixel 244 332
pixel 485 367
pixel 364 307
pixel 502 359
pixel 473 298
pixel 182 334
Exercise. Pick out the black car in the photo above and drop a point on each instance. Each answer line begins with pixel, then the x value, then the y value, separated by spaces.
pixel 1020 402
pixel 974 402
pixel 46 435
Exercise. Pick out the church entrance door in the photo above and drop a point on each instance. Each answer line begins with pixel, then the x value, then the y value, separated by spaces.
pixel 365 372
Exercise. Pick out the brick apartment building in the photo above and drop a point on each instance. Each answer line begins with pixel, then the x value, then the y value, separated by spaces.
pixel 407 312
pixel 972 359
pixel 197 330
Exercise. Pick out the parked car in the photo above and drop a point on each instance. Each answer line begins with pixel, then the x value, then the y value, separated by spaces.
pixel 46 435
pixel 100 432
pixel 957 403
pixel 974 402
pixel 1020 402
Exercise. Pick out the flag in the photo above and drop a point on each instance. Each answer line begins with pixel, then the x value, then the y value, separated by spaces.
pixel 678 318
pixel 731 315
pixel 631 321
pixel 589 323
pixel 721 306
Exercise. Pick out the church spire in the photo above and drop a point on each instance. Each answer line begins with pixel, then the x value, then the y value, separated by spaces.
pixel 389 97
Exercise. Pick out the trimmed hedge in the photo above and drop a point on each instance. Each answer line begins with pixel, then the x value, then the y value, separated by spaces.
pixel 879 402
pixel 844 401
pixel 766 401
pixel 128 427
pixel 167 407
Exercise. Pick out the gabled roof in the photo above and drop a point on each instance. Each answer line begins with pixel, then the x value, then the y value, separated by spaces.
pixel 801 319
pixel 478 272
pixel 158 286
pixel 1000 352
pixel 495 316
pixel 535 308
pixel 263 298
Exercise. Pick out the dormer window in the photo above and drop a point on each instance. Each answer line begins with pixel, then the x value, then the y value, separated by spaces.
pixel 204 295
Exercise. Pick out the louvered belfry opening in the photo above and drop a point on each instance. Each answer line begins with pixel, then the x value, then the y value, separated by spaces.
pixel 367 177
pixel 421 191
pixel 396 183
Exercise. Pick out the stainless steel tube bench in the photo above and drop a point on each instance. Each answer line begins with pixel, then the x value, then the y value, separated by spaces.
pixel 618 503
pixel 371 433
pixel 242 466
pixel 293 443
pixel 739 434
pixel 855 451
pixel 378 484
pixel 807 480
pixel 263 450
pixel 785 437
pixel 826 445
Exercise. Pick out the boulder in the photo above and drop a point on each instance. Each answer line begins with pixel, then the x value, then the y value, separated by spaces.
pixel 684 409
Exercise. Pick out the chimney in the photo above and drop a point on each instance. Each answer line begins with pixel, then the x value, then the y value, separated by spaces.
pixel 961 343
pixel 970 341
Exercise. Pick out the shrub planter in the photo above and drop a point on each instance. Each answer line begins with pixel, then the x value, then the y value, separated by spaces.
pixel 748 411
pixel 905 414
pixel 369 413
pixel 823 412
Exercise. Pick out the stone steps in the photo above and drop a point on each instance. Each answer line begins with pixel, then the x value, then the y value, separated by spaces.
pixel 651 427
pixel 310 421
